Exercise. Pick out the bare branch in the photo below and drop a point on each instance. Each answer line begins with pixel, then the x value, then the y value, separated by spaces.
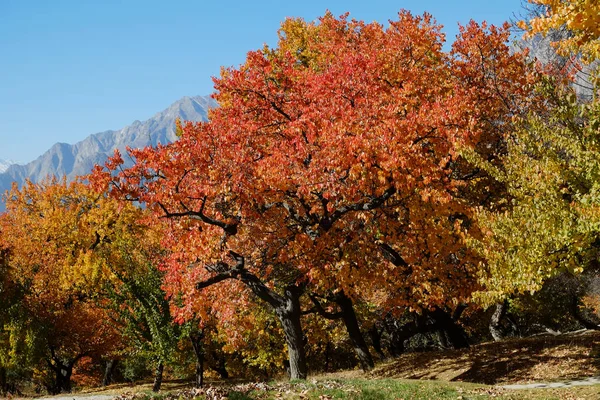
pixel 230 229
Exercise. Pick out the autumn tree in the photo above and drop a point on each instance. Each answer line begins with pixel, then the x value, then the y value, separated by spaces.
pixel 579 17
pixel 53 233
pixel 547 224
pixel 328 168
pixel 131 292
pixel 19 342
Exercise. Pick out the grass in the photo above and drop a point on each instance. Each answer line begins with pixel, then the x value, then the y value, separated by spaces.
pixel 380 389
pixel 352 388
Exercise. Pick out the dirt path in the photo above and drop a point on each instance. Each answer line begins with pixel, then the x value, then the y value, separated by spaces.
pixel 583 382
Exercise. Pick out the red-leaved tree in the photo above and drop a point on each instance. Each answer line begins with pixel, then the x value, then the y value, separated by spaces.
pixel 328 168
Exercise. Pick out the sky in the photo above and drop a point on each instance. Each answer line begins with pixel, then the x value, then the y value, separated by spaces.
pixel 71 68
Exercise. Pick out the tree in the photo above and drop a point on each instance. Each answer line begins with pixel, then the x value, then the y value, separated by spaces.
pixel 53 233
pixel 581 18
pixel 327 160
pixel 19 342
pixel 130 290
pixel 136 302
pixel 548 223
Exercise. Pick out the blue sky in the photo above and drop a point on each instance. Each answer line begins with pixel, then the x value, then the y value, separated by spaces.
pixel 70 68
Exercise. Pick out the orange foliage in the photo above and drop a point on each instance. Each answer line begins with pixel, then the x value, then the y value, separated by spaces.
pixel 338 141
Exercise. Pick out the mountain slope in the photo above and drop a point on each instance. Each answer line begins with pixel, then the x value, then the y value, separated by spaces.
pixel 78 159
pixel 4 164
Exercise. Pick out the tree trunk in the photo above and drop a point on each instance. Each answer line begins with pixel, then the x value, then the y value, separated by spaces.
pixel 356 337
pixel 62 375
pixel 108 372
pixel 196 338
pixel 158 376
pixel 396 342
pixel 62 371
pixel 286 306
pixel 327 351
pixel 200 372
pixel 580 317
pixel 219 367
pixel 398 334
pixel 497 316
pixel 3 381
pixel 376 341
pixel 289 314
pixel 450 332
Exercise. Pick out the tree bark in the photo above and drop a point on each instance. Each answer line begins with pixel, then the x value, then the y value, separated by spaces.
pixel 497 316
pixel 108 372
pixel 289 314
pixel 450 331
pixel 219 367
pixel 196 338
pixel 286 307
pixel 3 381
pixel 375 335
pixel 356 337
pixel 158 377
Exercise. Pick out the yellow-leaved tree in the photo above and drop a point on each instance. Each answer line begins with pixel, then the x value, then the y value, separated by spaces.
pixel 580 17
pixel 549 221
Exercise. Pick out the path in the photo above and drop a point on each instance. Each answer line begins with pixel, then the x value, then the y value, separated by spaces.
pixel 583 382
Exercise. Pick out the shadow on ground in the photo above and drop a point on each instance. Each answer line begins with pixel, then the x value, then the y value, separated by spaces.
pixel 540 358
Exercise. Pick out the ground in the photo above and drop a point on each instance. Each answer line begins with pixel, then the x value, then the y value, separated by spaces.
pixel 480 372
pixel 543 358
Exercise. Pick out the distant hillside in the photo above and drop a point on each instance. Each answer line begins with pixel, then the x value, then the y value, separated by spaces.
pixel 78 159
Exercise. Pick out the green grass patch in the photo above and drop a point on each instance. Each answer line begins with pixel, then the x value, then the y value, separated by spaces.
pixel 353 388
pixel 383 389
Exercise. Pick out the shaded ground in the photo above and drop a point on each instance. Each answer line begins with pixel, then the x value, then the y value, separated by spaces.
pixel 542 358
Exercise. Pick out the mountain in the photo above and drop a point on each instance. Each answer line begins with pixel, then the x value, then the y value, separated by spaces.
pixel 4 164
pixel 78 159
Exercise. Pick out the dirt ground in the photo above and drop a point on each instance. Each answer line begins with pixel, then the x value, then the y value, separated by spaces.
pixel 543 358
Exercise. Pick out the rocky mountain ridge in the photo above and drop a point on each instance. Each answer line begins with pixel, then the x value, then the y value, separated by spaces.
pixel 72 160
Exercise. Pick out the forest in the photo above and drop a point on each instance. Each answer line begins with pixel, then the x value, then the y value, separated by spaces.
pixel 360 192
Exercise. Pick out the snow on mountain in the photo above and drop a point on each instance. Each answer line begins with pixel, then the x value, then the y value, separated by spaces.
pixel 4 164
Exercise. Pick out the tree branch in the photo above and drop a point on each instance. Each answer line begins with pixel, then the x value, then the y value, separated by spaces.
pixel 230 229
pixel 319 308
pixel 371 204
pixel 392 255
pixel 239 272
pixel 580 317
